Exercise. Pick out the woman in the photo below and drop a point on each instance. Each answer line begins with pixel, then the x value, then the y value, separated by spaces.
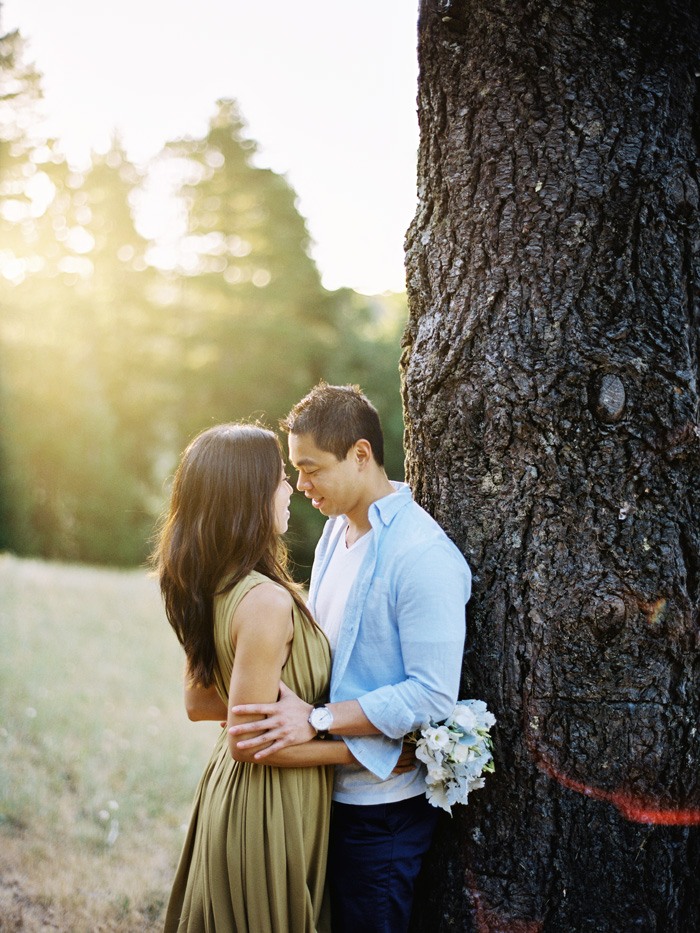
pixel 255 853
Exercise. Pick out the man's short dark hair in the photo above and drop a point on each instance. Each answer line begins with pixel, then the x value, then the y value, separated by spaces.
pixel 337 417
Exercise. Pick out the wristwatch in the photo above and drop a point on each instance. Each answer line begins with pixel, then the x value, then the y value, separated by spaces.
pixel 321 719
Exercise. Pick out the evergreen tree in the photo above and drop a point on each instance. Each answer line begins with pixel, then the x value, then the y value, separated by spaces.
pixel 20 117
pixel 110 366
pixel 251 302
pixel 76 477
pixel 20 99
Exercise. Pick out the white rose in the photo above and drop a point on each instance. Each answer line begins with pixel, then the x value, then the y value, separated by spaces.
pixel 461 753
pixel 464 717
pixel 436 737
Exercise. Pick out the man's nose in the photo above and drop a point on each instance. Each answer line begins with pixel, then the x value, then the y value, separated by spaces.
pixel 302 483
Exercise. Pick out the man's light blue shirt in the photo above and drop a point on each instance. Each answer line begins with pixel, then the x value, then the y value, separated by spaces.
pixel 400 646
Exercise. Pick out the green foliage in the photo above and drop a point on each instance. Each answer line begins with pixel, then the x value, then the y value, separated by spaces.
pixel 108 365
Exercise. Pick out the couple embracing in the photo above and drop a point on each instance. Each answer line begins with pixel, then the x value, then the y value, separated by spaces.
pixel 309 772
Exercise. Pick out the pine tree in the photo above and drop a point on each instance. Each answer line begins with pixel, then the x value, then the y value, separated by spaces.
pixel 252 306
pixel 551 390
pixel 77 449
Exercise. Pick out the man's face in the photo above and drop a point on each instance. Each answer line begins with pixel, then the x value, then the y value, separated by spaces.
pixel 334 486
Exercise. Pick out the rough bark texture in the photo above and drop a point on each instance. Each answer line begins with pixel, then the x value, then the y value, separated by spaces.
pixel 550 381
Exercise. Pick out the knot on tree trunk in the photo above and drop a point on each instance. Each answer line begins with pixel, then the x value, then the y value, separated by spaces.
pixel 609 398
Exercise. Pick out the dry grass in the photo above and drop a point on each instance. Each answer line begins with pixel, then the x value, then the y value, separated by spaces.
pixel 98 763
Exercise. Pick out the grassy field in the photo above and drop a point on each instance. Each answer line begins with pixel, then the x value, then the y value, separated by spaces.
pixel 98 762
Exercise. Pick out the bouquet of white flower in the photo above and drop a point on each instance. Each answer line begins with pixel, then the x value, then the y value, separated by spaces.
pixel 457 753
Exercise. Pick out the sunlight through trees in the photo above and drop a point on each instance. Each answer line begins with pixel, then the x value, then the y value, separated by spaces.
pixel 114 351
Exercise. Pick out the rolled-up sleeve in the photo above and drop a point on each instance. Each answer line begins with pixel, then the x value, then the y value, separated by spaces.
pixel 430 615
pixel 377 753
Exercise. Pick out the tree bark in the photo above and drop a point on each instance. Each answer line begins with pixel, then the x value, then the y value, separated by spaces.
pixel 550 386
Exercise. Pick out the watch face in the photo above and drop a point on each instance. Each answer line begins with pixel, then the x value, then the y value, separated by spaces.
pixel 321 719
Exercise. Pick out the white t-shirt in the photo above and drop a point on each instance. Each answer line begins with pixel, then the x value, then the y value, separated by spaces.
pixel 353 783
pixel 332 596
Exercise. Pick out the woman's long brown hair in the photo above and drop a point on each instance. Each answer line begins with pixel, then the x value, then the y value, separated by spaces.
pixel 220 526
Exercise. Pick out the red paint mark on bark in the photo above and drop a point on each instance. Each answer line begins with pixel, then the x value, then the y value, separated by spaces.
pixel 632 807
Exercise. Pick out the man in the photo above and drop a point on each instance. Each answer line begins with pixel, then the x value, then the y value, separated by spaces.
pixel 389 589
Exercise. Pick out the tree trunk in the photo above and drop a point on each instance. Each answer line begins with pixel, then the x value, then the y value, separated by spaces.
pixel 550 380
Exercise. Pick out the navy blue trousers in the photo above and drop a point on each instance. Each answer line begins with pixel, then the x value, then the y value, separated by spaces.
pixel 374 857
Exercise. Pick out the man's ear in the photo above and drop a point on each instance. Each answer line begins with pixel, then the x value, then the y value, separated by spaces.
pixel 362 451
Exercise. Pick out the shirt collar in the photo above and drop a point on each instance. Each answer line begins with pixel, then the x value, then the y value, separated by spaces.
pixel 384 509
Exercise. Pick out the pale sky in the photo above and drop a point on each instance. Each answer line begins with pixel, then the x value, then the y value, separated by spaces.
pixel 328 90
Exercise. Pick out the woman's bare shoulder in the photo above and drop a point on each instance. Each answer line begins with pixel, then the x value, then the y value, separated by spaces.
pixel 268 601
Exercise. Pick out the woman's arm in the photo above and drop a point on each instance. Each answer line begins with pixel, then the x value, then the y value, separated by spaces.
pixel 202 703
pixel 312 754
pixel 262 630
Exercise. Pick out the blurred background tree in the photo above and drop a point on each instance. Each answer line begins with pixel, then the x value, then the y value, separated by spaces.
pixel 110 363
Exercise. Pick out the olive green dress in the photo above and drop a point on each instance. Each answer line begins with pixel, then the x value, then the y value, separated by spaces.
pixel 254 859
